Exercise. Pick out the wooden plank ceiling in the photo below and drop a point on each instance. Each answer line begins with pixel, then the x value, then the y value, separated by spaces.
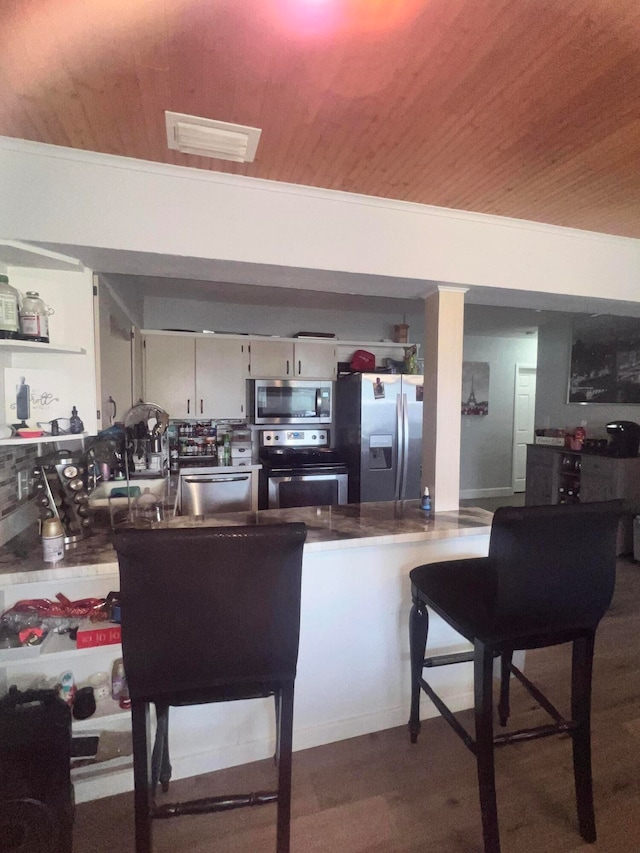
pixel 522 108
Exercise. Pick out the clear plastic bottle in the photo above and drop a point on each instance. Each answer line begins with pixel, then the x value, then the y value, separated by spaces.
pixel 9 319
pixel 34 318
pixel 117 678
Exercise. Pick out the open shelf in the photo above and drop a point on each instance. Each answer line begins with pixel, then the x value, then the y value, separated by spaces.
pixel 43 439
pixel 107 710
pixel 37 346
pixel 53 647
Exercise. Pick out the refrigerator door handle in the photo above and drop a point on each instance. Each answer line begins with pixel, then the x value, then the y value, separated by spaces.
pixel 405 445
pixel 399 446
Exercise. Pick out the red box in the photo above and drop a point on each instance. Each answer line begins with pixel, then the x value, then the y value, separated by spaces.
pixel 97 634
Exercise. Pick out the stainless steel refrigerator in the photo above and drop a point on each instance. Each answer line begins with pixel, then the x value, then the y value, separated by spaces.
pixel 379 433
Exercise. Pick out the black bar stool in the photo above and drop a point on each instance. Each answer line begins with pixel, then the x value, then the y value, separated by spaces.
pixel 548 579
pixel 209 614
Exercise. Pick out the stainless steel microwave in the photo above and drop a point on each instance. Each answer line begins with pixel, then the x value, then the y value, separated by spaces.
pixel 290 401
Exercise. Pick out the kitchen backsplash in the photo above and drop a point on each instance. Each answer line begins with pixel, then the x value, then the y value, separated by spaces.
pixel 15 514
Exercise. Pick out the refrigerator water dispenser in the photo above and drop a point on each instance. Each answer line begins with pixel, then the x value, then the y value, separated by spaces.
pixel 380 457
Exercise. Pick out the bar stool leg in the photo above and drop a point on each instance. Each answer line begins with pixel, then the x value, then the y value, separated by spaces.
pixel 582 665
pixel 276 702
pixel 483 688
pixel 504 708
pixel 418 630
pixel 160 761
pixel 285 745
pixel 143 799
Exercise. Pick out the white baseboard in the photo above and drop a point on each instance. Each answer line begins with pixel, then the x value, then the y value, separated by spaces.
pixel 470 494
pixel 183 766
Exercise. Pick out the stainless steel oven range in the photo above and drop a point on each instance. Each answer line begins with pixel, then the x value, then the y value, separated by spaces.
pixel 300 469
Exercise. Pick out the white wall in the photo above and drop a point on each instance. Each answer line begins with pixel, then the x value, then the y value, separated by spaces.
pixel 278 320
pixel 552 409
pixel 486 445
pixel 60 195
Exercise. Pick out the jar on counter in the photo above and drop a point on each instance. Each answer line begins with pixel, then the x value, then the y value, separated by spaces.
pixel 9 318
pixel 34 318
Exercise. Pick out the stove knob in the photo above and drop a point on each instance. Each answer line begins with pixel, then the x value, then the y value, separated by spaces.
pixel 313 437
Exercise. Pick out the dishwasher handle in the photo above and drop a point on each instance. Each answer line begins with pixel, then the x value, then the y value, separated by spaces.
pixel 215 479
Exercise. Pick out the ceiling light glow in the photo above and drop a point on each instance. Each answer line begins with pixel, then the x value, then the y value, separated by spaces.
pixel 329 17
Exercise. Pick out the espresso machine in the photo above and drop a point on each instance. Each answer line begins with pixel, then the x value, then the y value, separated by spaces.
pixel 624 439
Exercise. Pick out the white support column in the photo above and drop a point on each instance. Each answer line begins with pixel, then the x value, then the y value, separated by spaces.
pixel 444 328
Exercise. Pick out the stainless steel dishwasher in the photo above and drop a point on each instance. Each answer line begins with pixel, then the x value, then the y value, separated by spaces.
pixel 205 491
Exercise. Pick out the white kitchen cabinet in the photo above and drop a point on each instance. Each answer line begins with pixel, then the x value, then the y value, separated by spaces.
pixel 195 377
pixel 271 359
pixel 170 373
pixel 289 359
pixel 221 370
pixel 312 360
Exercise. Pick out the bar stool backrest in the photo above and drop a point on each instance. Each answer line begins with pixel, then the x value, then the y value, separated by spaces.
pixel 209 606
pixel 555 565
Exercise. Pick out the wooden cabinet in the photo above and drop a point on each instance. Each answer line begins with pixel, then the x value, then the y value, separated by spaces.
pixel 559 476
pixel 196 377
pixel 541 476
pixel 288 359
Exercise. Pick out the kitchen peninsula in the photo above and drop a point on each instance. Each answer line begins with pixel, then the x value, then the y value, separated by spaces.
pixel 353 669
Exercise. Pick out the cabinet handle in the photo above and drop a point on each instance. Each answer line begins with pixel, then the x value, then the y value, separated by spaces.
pixel 115 409
pixel 188 406
pixel 201 408
pixel 299 366
pixel 287 367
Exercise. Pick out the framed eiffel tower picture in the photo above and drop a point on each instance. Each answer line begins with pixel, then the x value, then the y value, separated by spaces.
pixel 475 387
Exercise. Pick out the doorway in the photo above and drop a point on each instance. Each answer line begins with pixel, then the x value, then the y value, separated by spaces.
pixel 524 405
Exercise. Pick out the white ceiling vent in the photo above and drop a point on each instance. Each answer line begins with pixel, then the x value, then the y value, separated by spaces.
pixel 208 138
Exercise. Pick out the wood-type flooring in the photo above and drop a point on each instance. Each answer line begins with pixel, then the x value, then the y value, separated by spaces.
pixel 380 794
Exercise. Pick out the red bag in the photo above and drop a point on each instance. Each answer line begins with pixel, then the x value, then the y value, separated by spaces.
pixel 363 361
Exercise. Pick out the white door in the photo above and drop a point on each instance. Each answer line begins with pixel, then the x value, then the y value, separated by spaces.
pixel 114 357
pixel 523 422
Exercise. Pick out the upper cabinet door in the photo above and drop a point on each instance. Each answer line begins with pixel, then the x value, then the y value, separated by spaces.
pixel 271 359
pixel 169 374
pixel 221 371
pixel 314 360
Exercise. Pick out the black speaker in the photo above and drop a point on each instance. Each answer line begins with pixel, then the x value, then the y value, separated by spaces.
pixel 36 794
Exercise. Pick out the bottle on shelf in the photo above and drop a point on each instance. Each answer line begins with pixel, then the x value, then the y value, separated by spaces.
pixel 34 318
pixel 9 318
pixel 75 423
pixel 425 503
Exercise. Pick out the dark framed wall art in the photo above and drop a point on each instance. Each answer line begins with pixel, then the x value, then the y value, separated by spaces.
pixel 605 360
pixel 475 387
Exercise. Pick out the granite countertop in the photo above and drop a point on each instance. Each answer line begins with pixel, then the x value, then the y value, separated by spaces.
pixel 329 528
